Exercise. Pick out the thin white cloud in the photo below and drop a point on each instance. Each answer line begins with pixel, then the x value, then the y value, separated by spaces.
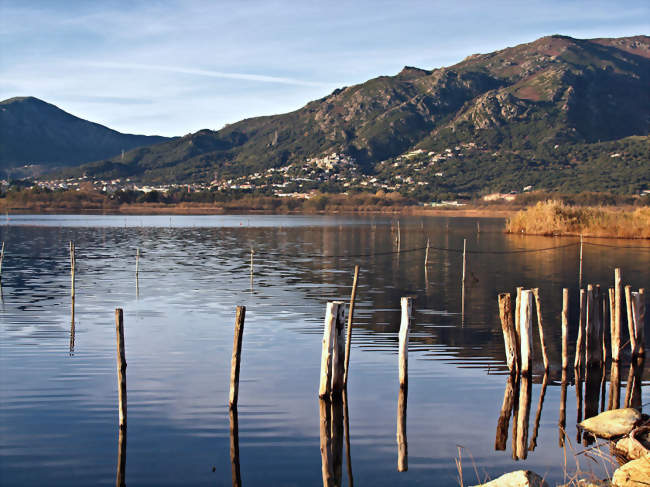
pixel 206 72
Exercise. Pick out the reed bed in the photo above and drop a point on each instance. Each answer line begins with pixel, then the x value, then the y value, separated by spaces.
pixel 557 218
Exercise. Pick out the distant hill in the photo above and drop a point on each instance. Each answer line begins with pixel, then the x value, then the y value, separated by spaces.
pixel 35 132
pixel 554 113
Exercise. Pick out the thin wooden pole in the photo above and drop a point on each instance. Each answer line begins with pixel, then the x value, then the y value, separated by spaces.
pixel 333 310
pixel 580 272
pixel 235 362
pixel 464 260
pixel 638 316
pixel 616 330
pixel 517 325
pixel 399 237
pixel 121 366
pixel 407 309
pixel 348 337
pixel 508 329
pixel 73 263
pixel 630 318
pixel 540 326
pixel 478 227
pixel 526 336
pixel 604 319
pixel 590 329
pixel 580 341
pixel 252 254
pixel 137 262
pixel 402 443
pixel 426 257
pixel 2 257
pixel 565 328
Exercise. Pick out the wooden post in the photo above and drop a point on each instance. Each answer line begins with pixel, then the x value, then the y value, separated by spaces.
pixel 580 342
pixel 72 268
pixel 2 257
pixel 508 328
pixel 334 308
pixel 236 356
pixel 252 253
pixel 121 366
pixel 402 443
pixel 526 336
pixel 630 318
pixel 464 260
pixel 399 237
pixel 540 326
pixel 616 330
pixel 565 328
pixel 614 386
pixel 580 271
pixel 348 337
pixel 338 352
pixel 592 342
pixel 407 309
pixel 517 325
pixel 426 257
pixel 638 316
pixel 137 262
pixel 478 227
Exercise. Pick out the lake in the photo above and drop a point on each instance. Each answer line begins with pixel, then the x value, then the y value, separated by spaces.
pixel 58 397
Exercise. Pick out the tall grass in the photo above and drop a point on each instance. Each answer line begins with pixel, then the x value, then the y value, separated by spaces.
pixel 556 218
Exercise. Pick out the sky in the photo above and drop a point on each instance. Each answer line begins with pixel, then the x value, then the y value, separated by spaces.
pixel 170 67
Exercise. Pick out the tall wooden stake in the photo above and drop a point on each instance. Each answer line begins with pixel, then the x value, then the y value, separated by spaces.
pixel 137 262
pixel 338 353
pixel 399 237
pixel 565 328
pixel 335 311
pixel 463 285
pixel 2 257
pixel 236 356
pixel 616 310
pixel 526 335
pixel 72 268
pixel 580 342
pixel 121 366
pixel 508 328
pixel 540 326
pixel 580 272
pixel 630 318
pixel 638 314
pixel 407 309
pixel 402 443
pixel 348 337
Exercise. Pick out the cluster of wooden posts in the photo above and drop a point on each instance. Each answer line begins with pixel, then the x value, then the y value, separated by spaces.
pixel 589 362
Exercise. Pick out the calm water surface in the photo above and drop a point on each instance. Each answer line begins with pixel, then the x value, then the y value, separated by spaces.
pixel 58 390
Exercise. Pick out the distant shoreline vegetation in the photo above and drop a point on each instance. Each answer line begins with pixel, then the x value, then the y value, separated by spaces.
pixel 557 218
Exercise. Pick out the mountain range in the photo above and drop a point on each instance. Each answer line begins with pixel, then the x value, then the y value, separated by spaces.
pixel 34 132
pixel 559 112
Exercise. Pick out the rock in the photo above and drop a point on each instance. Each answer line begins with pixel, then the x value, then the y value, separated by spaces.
pixel 520 478
pixel 587 483
pixel 631 448
pixel 610 424
pixel 633 474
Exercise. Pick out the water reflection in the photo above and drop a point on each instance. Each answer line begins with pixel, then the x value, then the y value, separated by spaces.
pixel 633 386
pixel 331 440
pixel 506 411
pixel 523 416
pixel 234 447
pixel 120 474
pixel 538 415
pixel 72 328
pixel 402 442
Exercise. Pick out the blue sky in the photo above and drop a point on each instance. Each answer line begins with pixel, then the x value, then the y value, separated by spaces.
pixel 174 67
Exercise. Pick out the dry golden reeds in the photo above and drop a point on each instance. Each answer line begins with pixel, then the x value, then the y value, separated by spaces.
pixel 556 218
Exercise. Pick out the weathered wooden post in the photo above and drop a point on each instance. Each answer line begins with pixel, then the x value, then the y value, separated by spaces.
pixel 72 268
pixel 121 367
pixel 630 318
pixel 565 328
pixel 540 326
pixel 614 386
pixel 638 315
pixel 616 330
pixel 137 262
pixel 517 318
pixel 334 312
pixel 508 328
pixel 407 308
pixel 580 341
pixel 592 330
pixel 252 254
pixel 399 237
pixel 2 257
pixel 338 353
pixel 402 443
pixel 580 271
pixel 235 361
pixel 525 334
pixel 348 337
